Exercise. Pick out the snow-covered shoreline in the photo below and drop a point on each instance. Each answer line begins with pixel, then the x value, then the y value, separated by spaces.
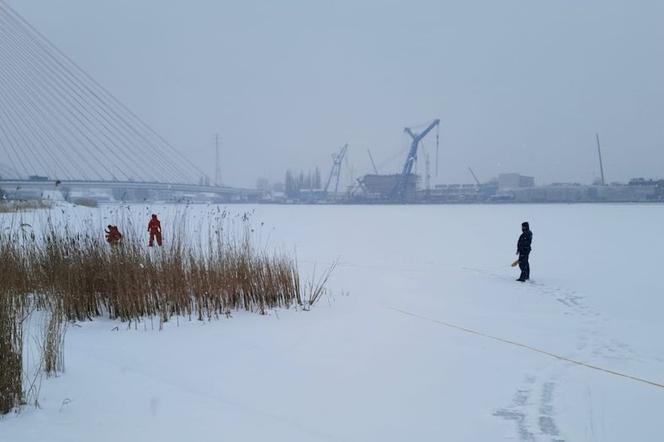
pixel 355 369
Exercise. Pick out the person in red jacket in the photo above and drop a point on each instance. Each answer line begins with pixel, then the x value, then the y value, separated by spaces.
pixel 154 227
pixel 113 235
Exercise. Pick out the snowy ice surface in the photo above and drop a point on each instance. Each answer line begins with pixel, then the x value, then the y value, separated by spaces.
pixel 355 369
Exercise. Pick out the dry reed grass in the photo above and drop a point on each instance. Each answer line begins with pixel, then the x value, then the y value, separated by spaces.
pixel 76 276
pixel 11 353
pixel 20 206
pixel 85 202
pixel 53 343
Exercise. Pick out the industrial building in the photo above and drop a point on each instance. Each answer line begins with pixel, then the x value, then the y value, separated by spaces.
pixel 379 186
pixel 454 193
pixel 577 193
pixel 509 181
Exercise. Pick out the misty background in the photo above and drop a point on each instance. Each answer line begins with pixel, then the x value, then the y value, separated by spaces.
pixel 519 86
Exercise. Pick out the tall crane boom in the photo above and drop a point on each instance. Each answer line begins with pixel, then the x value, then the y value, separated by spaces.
pixel 372 162
pixel 601 164
pixel 335 172
pixel 399 191
pixel 474 176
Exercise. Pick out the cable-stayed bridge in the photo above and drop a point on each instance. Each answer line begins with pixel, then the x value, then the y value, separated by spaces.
pixel 60 127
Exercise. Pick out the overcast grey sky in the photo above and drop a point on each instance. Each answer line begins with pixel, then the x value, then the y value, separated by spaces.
pixel 519 85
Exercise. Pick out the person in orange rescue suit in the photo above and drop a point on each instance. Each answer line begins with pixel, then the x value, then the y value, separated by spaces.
pixel 154 227
pixel 113 235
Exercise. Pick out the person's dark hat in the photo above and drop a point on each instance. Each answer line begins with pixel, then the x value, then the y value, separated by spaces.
pixel 525 225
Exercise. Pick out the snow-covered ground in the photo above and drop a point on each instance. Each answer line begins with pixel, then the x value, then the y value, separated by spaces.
pixel 378 360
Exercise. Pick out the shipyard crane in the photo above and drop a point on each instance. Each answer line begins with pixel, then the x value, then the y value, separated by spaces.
pixel 372 162
pixel 601 164
pixel 335 172
pixel 474 176
pixel 399 191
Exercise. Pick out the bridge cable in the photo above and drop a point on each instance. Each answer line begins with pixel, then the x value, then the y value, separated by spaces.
pixel 45 41
pixel 12 116
pixel 26 162
pixel 109 126
pixel 69 127
pixel 109 130
pixel 83 103
pixel 10 88
pixel 56 145
pixel 17 163
pixel 17 110
pixel 46 98
pixel 38 98
pixel 42 131
pixel 36 69
pixel 79 116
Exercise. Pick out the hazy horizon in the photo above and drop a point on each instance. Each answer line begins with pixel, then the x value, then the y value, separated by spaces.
pixel 518 86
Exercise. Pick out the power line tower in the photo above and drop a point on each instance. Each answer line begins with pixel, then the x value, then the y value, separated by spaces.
pixel 217 165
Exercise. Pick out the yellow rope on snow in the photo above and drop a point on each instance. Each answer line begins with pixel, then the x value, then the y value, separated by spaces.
pixel 528 347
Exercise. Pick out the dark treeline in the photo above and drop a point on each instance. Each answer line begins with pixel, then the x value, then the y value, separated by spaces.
pixel 296 183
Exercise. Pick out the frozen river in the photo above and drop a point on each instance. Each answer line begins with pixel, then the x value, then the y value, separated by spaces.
pixel 424 336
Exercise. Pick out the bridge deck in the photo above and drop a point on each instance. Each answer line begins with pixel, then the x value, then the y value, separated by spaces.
pixel 155 186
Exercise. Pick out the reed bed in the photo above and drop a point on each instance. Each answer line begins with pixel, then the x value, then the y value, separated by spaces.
pixel 21 206
pixel 77 276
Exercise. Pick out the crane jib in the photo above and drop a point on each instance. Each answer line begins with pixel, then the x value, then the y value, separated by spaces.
pixel 402 181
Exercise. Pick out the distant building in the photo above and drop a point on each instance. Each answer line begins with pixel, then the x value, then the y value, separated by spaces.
pixel 509 181
pixel 37 178
pixel 645 182
pixel 312 195
pixel 556 193
pixel 454 193
pixel 628 193
pixel 384 184
pixel 576 193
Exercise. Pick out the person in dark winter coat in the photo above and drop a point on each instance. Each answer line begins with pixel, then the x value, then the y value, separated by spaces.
pixel 523 250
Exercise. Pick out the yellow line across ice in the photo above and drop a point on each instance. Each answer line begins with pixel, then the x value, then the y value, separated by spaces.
pixel 528 347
